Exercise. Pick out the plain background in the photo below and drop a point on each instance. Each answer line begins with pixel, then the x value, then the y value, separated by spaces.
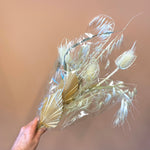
pixel 30 32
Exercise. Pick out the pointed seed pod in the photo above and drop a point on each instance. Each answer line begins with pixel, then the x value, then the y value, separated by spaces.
pixel 125 60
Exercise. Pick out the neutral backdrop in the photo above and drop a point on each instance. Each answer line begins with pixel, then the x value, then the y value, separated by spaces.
pixel 30 32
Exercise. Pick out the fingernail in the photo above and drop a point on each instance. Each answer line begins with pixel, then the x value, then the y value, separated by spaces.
pixel 36 119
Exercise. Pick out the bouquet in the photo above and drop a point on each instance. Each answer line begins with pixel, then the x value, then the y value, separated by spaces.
pixel 82 83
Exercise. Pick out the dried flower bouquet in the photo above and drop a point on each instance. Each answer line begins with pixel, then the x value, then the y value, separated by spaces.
pixel 79 87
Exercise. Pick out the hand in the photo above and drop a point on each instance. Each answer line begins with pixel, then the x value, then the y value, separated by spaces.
pixel 28 137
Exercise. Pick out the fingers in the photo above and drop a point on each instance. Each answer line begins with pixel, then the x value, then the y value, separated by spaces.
pixel 29 136
pixel 32 126
pixel 40 132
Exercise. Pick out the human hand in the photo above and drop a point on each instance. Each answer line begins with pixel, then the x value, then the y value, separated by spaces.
pixel 28 137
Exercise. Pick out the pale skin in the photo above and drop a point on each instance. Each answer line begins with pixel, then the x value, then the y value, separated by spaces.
pixel 29 136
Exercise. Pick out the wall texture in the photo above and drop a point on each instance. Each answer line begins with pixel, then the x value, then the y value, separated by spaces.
pixel 30 32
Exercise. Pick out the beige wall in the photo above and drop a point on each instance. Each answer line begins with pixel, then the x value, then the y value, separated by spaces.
pixel 30 32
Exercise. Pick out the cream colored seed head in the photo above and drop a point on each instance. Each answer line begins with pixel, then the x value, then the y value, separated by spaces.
pixel 125 60
pixel 92 71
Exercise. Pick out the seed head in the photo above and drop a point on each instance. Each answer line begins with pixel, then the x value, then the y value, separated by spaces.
pixel 125 60
pixel 92 71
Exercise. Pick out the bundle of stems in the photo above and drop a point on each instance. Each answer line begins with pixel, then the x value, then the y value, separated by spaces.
pixel 80 86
